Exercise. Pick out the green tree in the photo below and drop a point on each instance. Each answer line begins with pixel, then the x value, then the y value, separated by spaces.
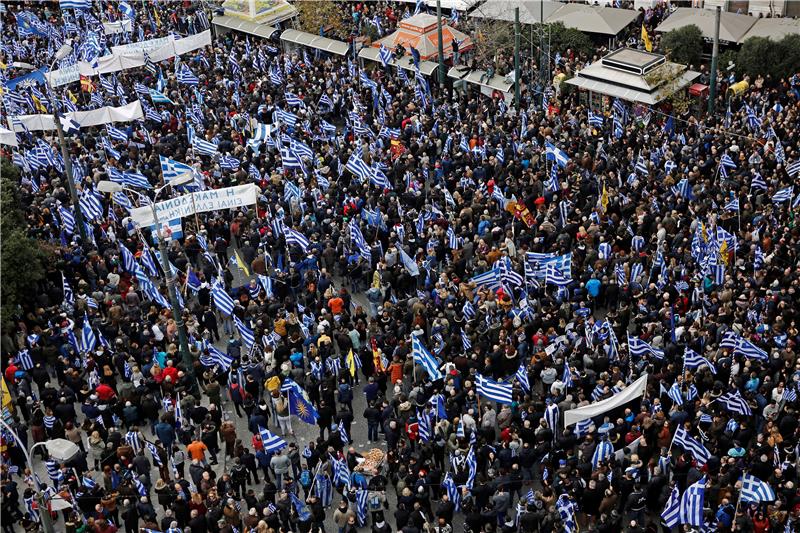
pixel 754 57
pixel 563 39
pixel 788 57
pixel 684 45
pixel 22 259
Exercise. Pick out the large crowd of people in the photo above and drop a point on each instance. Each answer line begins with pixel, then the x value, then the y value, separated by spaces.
pixel 448 271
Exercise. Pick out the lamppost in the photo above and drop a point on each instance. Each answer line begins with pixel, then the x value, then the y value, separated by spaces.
pixel 61 53
pixel 61 449
pixel 167 276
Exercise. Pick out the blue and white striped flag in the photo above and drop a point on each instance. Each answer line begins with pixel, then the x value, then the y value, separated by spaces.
pixel 223 301
pixel 691 509
pixel 685 441
pixel 494 390
pixel 424 358
pixel 755 490
pixel 272 442
pixel 734 402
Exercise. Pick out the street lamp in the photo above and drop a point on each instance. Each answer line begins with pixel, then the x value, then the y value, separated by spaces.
pixel 61 53
pixel 168 277
pixel 60 449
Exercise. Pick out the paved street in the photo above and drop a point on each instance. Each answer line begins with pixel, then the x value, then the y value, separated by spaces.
pixel 303 434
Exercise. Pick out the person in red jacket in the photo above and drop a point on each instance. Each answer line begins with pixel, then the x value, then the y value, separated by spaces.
pixel 104 392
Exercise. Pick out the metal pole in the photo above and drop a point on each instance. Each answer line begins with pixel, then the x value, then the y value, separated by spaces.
pixel 441 44
pixel 517 90
pixel 41 502
pixel 73 193
pixel 169 279
pixel 714 59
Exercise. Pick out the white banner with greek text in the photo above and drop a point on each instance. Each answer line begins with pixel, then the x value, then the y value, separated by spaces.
pixel 198 202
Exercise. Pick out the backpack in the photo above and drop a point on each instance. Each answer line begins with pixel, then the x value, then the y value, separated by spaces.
pixel 236 393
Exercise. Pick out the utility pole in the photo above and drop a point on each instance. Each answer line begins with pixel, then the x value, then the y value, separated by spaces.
pixel 712 96
pixel 169 278
pixel 517 90
pixel 73 193
pixel 442 73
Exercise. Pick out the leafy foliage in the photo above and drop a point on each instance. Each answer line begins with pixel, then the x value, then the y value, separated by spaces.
pixel 23 260
pixel 563 39
pixel 760 56
pixel 684 45
pixel 316 15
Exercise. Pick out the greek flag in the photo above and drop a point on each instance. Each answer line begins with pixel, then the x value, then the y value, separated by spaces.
pixel 595 120
pixel 489 279
pixel 272 443
pixel 293 99
pixel 685 441
pixel 343 436
pixel 582 428
pixel 538 263
pixel 116 133
pixel 385 55
pixel 296 238
pixel 88 338
pixel 452 491
pixel 675 395
pixel 325 101
pixel 203 147
pixel 228 162
pixel 602 451
pixel 553 153
pixel 216 357
pixel 750 350
pixel 357 166
pixel 755 490
pixel 132 438
pixel 494 390
pixel 566 510
pixel 691 508
pixel 24 359
pixel 793 168
pixel 245 333
pixel 222 299
pixel 734 402
pixel 424 426
pixel 90 206
pixel 186 76
pixel 733 205
pixel 639 348
pixel 552 414
pixel 789 394
pixel 425 359
pixel 692 360
pixel 671 513
pixel 135 179
pixel 554 276
pixel 783 195
pixel 522 377
pixel 341 473
pixel 566 377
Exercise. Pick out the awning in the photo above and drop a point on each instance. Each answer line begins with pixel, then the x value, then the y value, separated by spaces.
pixel 405 63
pixel 244 26
pixel 773 28
pixel 315 41
pixel 589 19
pixel 497 83
pixel 461 5
pixel 732 27
pixel 594 19
pixel 530 11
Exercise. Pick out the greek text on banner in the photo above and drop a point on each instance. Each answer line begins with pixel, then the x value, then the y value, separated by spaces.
pixel 198 202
